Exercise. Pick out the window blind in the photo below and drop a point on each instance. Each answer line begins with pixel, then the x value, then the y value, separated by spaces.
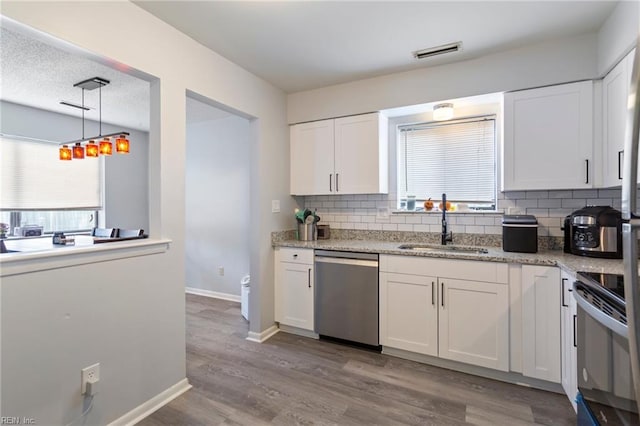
pixel 456 158
pixel 33 178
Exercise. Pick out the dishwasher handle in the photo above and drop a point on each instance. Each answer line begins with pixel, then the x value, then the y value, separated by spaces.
pixel 344 261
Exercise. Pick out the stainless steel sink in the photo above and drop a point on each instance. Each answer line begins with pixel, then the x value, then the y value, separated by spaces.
pixel 438 248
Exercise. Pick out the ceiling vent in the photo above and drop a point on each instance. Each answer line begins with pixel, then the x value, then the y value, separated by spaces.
pixel 438 50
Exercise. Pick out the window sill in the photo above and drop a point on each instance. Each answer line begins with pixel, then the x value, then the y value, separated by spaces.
pixel 456 212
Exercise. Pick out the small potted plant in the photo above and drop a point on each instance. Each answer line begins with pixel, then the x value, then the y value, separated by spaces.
pixel 3 230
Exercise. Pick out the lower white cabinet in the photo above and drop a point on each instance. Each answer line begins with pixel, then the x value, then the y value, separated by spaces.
pixel 541 322
pixel 450 316
pixel 409 312
pixel 294 287
pixel 474 323
pixel 569 360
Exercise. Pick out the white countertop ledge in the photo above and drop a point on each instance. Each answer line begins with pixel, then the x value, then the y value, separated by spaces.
pixel 57 257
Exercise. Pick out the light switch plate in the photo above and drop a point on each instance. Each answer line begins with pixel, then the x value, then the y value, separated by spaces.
pixel 275 206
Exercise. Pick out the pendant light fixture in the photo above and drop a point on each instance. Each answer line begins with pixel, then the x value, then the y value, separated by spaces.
pixel 92 149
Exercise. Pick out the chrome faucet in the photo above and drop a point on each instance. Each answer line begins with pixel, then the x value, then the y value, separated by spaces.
pixel 446 236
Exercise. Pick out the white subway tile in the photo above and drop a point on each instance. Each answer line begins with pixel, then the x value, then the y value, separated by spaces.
pixel 523 203
pixel 341 204
pixel 435 228
pixel 347 225
pixel 405 227
pixel 574 203
pixel 550 203
pixel 353 204
pixel 361 226
pixel 537 194
pixel 561 213
pixel 490 221
pixel 389 227
pixel 538 212
pixel 514 195
pixel 368 204
pixel 413 218
pixel 431 219
pixel 556 232
pixel 609 193
pixel 328 204
pixel 585 193
pixel 369 219
pixel 364 211
pixel 474 229
pixel 374 226
pixel 354 219
pixel 421 228
pixel 495 230
pixel 456 229
pixel 361 197
pixel 599 201
pixel 464 220
pixel 560 194
pixel 398 218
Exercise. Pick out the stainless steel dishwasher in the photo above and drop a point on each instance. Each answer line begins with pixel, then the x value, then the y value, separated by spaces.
pixel 346 296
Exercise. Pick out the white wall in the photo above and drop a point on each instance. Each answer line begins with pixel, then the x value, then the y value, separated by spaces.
pixel 174 63
pixel 126 176
pixel 618 35
pixel 217 197
pixel 554 62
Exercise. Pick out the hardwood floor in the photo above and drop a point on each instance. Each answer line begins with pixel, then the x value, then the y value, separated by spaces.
pixel 295 380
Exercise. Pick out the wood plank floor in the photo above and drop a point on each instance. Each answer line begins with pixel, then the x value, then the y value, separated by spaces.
pixel 295 380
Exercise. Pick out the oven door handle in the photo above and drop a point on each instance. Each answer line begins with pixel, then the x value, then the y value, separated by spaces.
pixel 595 313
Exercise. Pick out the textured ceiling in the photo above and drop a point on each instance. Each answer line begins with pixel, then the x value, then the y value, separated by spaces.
pixel 300 45
pixel 36 74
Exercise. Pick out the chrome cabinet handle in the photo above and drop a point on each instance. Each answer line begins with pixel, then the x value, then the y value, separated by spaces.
pixel 587 168
pixel 620 164
pixel 309 277
pixel 562 297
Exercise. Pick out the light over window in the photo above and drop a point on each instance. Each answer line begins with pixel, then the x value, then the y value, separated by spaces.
pixel 456 157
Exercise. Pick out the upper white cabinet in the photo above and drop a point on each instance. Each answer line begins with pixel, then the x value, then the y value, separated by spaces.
pixel 347 155
pixel 541 297
pixel 615 92
pixel 548 138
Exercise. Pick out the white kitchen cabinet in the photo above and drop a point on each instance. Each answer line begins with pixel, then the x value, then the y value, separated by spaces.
pixel 294 287
pixel 409 312
pixel 615 91
pixel 347 155
pixel 541 291
pixel 438 307
pixel 474 323
pixel 548 138
pixel 569 361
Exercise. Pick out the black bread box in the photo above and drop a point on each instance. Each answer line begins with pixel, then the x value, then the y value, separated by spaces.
pixel 520 233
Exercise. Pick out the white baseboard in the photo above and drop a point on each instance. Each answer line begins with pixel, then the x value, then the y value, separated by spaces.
pixel 298 331
pixel 263 335
pixel 214 294
pixel 144 410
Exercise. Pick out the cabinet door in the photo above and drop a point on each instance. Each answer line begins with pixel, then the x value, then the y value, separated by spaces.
pixel 615 90
pixel 361 154
pixel 568 339
pixel 541 288
pixel 294 295
pixel 474 323
pixel 312 158
pixel 548 138
pixel 409 312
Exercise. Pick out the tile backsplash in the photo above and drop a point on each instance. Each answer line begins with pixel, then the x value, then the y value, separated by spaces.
pixel 374 212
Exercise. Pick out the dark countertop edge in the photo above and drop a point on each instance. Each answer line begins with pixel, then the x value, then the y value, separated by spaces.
pixel 568 262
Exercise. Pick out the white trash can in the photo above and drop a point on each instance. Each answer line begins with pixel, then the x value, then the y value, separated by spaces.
pixel 245 289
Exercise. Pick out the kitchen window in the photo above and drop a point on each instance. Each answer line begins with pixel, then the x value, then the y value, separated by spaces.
pixel 36 188
pixel 454 157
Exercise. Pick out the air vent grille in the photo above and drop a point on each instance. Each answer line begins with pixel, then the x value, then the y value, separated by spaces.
pixel 438 50
pixel 602 305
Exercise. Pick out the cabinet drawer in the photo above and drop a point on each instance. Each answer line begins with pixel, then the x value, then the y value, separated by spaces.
pixel 295 255
pixel 475 270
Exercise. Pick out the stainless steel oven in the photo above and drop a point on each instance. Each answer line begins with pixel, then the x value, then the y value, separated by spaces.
pixel 605 384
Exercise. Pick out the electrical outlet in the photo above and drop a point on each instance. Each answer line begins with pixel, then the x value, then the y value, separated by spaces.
pixel 275 206
pixel 221 271
pixel 89 374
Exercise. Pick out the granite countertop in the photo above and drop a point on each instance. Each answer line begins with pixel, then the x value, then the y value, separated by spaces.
pixel 569 262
